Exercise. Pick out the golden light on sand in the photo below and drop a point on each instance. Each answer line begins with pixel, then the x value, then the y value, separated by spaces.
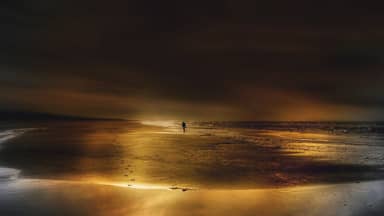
pixel 160 123
pixel 136 185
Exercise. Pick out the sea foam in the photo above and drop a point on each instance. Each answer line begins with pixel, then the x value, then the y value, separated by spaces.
pixel 10 134
pixel 7 174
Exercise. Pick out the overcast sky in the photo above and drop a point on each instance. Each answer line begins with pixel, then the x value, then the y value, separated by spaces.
pixel 201 59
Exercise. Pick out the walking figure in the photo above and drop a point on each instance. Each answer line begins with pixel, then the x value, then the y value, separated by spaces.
pixel 183 125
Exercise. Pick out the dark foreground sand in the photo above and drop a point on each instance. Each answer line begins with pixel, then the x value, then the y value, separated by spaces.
pixel 47 197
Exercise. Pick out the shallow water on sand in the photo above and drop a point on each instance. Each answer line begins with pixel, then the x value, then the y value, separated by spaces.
pixel 36 197
pixel 208 155
pixel 215 168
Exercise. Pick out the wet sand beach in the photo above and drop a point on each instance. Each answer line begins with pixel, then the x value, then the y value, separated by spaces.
pixel 136 168
pixel 36 197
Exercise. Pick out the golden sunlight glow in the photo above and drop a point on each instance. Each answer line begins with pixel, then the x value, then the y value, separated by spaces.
pixel 169 123
pixel 139 186
pixel 136 186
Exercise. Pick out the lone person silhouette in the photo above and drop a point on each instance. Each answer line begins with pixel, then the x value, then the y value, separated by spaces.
pixel 183 125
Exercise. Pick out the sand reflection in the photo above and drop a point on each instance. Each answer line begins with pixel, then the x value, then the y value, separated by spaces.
pixel 135 154
pixel 26 197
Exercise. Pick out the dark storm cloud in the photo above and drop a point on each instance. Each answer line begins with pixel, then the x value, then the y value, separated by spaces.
pixel 249 58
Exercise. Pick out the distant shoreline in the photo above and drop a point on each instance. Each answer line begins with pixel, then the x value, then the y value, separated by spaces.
pixel 38 116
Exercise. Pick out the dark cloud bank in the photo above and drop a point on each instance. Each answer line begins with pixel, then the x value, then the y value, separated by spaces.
pixel 235 60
